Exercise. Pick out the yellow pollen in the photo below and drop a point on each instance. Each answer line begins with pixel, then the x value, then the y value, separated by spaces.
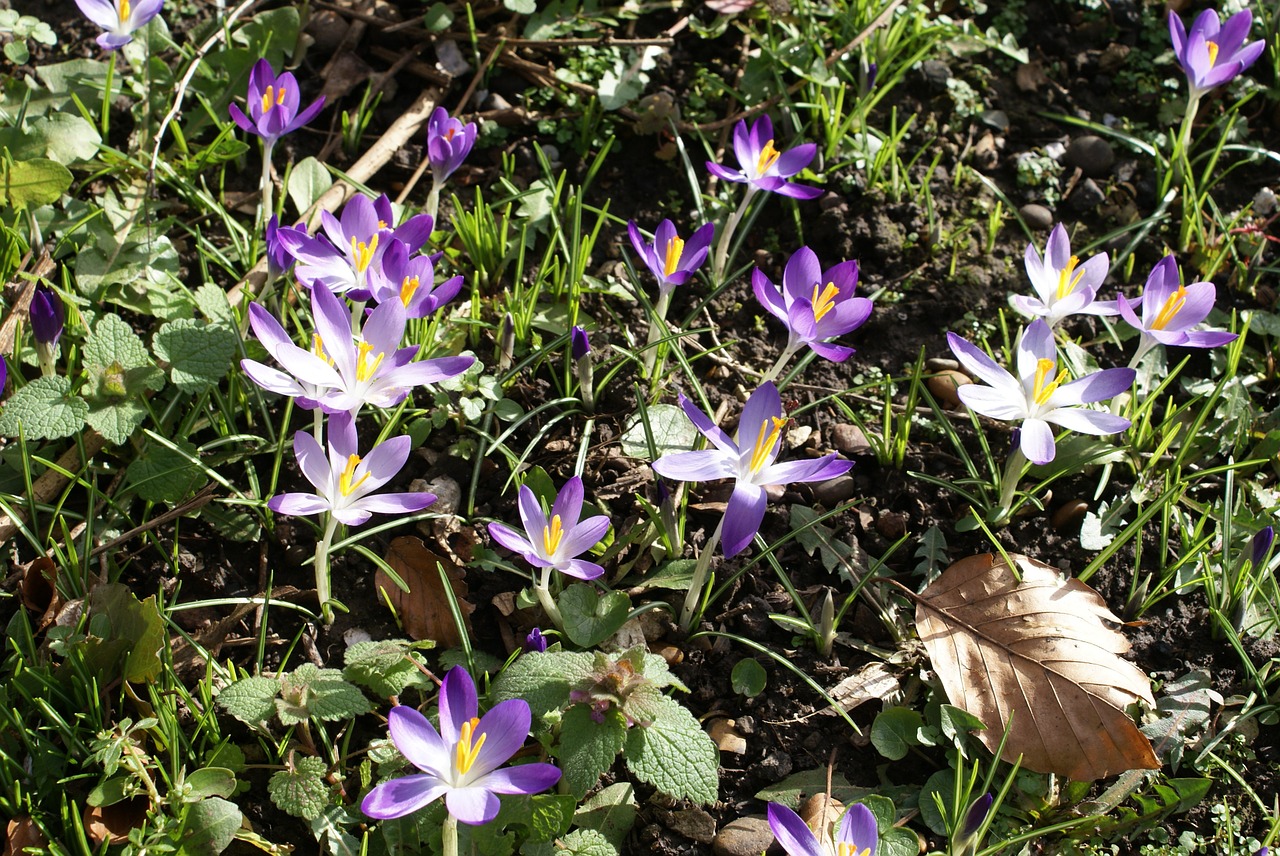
pixel 1172 306
pixel 382 224
pixel 407 289
pixel 552 535
pixel 266 96
pixel 1211 46
pixel 348 472
pixel 365 369
pixel 824 302
pixel 768 157
pixel 467 750
pixel 1066 282
pixel 765 439
pixel 123 6
pixel 317 348
pixel 675 247
pixel 1040 391
pixel 844 848
pixel 362 253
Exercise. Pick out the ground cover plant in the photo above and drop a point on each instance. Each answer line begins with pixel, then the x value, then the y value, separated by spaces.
pixel 716 427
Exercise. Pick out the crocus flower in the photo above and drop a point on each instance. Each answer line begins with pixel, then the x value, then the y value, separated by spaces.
pixel 47 317
pixel 300 362
pixel 120 18
pixel 461 761
pixel 816 305
pixel 579 344
pixel 344 481
pixel 857 835
pixel 750 461
pixel 410 279
pixel 1212 53
pixel 448 144
pixel 273 104
pixel 279 259
pixel 763 167
pixel 1169 309
pixel 1038 397
pixel 672 260
pixel 1260 546
pixel 1062 284
pixel 555 541
pixel 535 642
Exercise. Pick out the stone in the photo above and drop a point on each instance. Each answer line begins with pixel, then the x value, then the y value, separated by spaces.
pixel 1036 216
pixel 849 440
pixel 936 73
pixel 1092 154
pixel 693 823
pixel 892 524
pixel 943 386
pixel 1069 515
pixel 941 364
pixel 1087 196
pixel 743 836
pixel 726 737
pixel 834 491
pixel 997 119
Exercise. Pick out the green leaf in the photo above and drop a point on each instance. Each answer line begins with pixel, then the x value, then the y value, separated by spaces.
pixel 61 137
pixel 301 790
pixel 124 632
pixel 550 816
pixel 590 747
pixel 543 679
pixel 161 474
pixel 212 302
pixel 32 183
pixel 521 7
pixel 611 811
pixel 957 722
pixel 590 617
pixel 385 667
pixel 199 354
pixel 120 371
pixel 586 842
pixel 898 842
pixel 894 732
pixel 44 409
pixel 133 267
pixel 308 180
pixel 329 831
pixel 310 691
pixel 676 575
pixel 938 786
pixel 807 782
pixel 116 421
pixel 209 827
pixel 210 782
pixel 17 52
pixel 675 755
pixel 748 677
pixel 250 700
pixel 671 429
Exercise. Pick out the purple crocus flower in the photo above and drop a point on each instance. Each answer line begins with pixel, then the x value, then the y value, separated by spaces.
pixel 47 316
pixel 1212 53
pixel 535 642
pixel 1169 309
pixel 672 260
pixel 461 761
pixel 273 104
pixel 279 259
pixel 816 305
pixel 410 280
pixel 555 541
pixel 579 344
pixel 857 835
pixel 977 815
pixel 120 18
pixel 300 362
pixel 1260 546
pixel 1038 397
pixel 344 481
pixel 750 462
pixel 1062 284
pixel 763 166
pixel 448 144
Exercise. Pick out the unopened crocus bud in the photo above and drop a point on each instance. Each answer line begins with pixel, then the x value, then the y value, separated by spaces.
pixel 667 511
pixel 47 317
pixel 507 343
pixel 535 642
pixel 1262 851
pixel 1262 545
pixel 579 344
pixel 279 259
pixel 580 350
pixel 827 625
pixel 966 838
pixel 4 374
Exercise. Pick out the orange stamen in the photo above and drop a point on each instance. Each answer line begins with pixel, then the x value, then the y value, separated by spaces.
pixel 362 253
pixel 123 6
pixel 675 247
pixel 407 289
pixel 1213 52
pixel 768 157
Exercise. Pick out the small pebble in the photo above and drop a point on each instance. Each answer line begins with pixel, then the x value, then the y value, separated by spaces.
pixel 936 73
pixel 892 524
pixel 830 200
pixel 743 836
pixel 1092 154
pixel 820 811
pixel 941 364
pixel 997 119
pixel 943 386
pixel 834 491
pixel 725 736
pixel 849 440
pixel 1087 196
pixel 1037 216
pixel 693 823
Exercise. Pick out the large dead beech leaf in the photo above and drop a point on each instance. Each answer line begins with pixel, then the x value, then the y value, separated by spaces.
pixel 1041 656
pixel 424 609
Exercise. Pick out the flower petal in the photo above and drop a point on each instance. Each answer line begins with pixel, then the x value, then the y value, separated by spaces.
pixel 702 465
pixel 1098 386
pixel 399 797
pixel 981 365
pixel 706 427
pixel 474 806
pixel 417 740
pixel 583 536
pixel 1086 421
pixel 531 514
pixel 1037 441
pixel 580 569
pixel 568 504
pixel 795 837
pixel 742 517
pixel 298 504
pixel 992 402
pixel 811 470
pixel 524 779
pixel 506 727
pixel 510 538
pixel 458 705
pixel 859 829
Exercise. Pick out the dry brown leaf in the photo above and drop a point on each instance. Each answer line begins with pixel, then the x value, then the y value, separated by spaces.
pixel 1043 655
pixel 875 681
pixel 40 590
pixel 424 609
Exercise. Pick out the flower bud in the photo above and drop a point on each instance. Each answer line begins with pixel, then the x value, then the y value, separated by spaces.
pixel 535 641
pixel 47 316
pixel 1262 545
pixel 579 344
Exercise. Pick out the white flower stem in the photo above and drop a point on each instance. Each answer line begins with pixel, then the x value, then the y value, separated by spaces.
pixel 268 186
pixel 1145 344
pixel 726 238
pixel 317 425
pixel 1009 485
pixel 699 580
pixel 449 835
pixel 657 328
pixel 323 590
pixel 787 353
pixel 1179 158
pixel 542 588
pixel 433 201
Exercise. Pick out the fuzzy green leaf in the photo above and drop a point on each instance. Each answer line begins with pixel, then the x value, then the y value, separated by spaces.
pixel 675 755
pixel 591 617
pixel 611 811
pixel 32 183
pixel 670 429
pixel 301 790
pixel 543 679
pixel 161 474
pixel 212 303
pixel 120 371
pixel 199 354
pixel 250 700
pixel 209 827
pixel 320 693
pixel 385 667
pixel 44 409
pixel 586 842
pixel 591 748
pixel 308 180
pixel 550 816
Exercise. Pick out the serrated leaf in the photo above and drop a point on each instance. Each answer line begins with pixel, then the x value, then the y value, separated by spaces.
pixel 591 748
pixel 44 409
pixel 383 666
pixel 543 679
pixel 308 180
pixel 590 617
pixel 550 816
pixel 309 692
pixel 209 827
pixel 199 354
pixel 116 421
pixel 212 303
pixel 61 137
pixel 32 183
pixel 585 842
pixel 670 428
pixel 133 267
pixel 161 474
pixel 611 811
pixel 806 783
pixel 250 700
pixel 675 755
pixel 114 343
pixel 301 790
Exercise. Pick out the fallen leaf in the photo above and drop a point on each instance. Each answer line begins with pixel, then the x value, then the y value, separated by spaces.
pixel 112 823
pixel 40 590
pixel 424 609
pixel 22 834
pixel 873 682
pixel 1040 657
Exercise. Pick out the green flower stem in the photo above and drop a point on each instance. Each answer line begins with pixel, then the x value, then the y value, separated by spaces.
pixel 449 835
pixel 1009 485
pixel 1178 158
pixel 657 328
pixel 433 200
pixel 105 122
pixel 542 588
pixel 726 238
pixel 699 581
pixel 323 588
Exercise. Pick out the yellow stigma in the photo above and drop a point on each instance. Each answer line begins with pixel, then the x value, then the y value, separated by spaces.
pixel 1066 282
pixel 123 6
pixel 362 253
pixel 365 368
pixel 768 157
pixel 348 472
pixel 552 535
pixel 824 302
pixel 675 247
pixel 844 848
pixel 1041 390
pixel 765 439
pixel 407 289
pixel 1212 47
pixel 1172 306
pixel 467 750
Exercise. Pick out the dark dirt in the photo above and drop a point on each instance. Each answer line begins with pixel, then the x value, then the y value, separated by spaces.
pixel 921 298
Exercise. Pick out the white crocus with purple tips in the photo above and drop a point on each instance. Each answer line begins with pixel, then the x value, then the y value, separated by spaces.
pixel 555 540
pixel 1038 396
pixel 1169 311
pixel 1062 284
pixel 856 836
pixel 120 18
